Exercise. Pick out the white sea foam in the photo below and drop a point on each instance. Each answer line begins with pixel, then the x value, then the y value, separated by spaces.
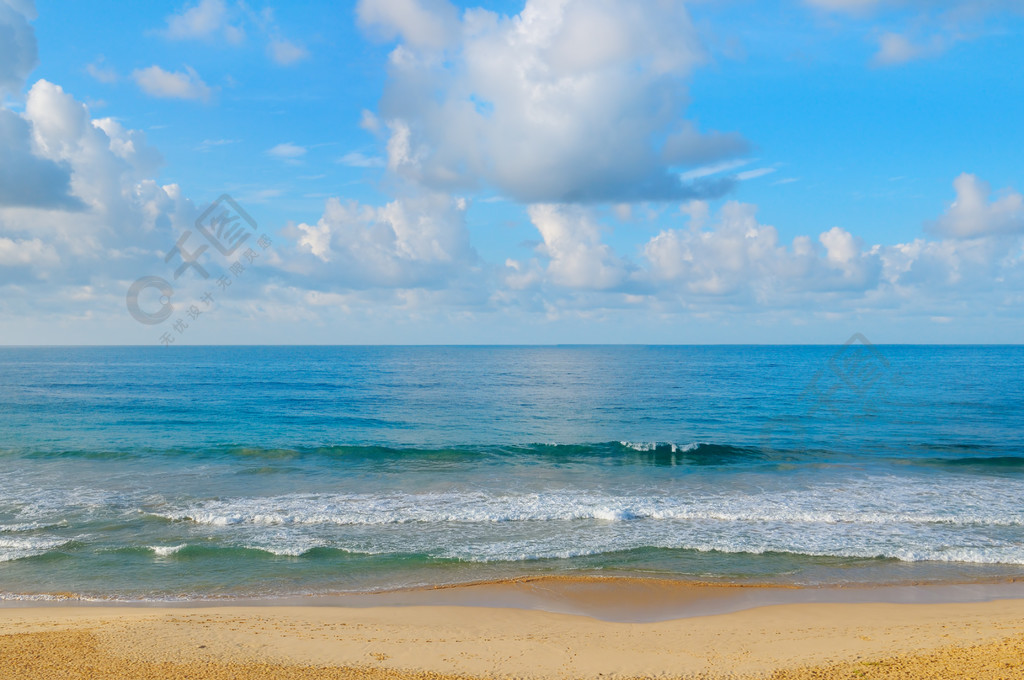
pixel 864 516
pixel 166 550
pixel 17 548
pixel 645 447
pixel 859 505
pixel 24 526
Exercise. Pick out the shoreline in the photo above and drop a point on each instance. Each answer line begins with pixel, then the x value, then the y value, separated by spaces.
pixel 623 599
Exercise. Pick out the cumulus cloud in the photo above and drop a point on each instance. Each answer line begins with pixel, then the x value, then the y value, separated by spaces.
pixel 27 252
pixel 711 261
pixel 186 84
pixel 105 171
pixel 975 214
pixel 415 242
pixel 18 51
pixel 568 101
pixel 432 24
pixel 737 257
pixel 572 243
pixel 730 258
pixel 720 260
pixel 26 179
pixel 714 258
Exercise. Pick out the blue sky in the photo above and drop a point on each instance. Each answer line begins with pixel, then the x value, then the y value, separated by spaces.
pixel 539 172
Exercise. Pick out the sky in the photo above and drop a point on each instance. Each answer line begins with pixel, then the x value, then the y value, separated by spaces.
pixel 540 172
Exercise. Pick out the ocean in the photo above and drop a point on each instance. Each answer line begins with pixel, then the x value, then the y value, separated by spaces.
pixel 170 473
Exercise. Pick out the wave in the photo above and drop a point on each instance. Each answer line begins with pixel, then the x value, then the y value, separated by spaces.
pixel 666 453
pixel 259 549
pixel 792 508
pixel 20 548
pixel 673 552
pixel 977 458
pixel 978 556
pixel 165 550
pixel 981 463
pixel 24 527
pixel 325 553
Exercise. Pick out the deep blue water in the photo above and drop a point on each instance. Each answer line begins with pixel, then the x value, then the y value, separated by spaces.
pixel 160 472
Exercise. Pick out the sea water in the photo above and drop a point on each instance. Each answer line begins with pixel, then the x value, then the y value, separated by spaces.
pixel 205 472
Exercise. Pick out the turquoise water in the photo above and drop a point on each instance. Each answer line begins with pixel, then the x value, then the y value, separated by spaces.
pixel 189 472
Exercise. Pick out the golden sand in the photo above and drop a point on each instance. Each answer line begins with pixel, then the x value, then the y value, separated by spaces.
pixel 994 661
pixel 78 656
pixel 784 642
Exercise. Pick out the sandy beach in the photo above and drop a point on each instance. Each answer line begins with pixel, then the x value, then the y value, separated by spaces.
pixel 798 640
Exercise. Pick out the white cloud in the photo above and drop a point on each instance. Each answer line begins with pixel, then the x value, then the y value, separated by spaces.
pixel 710 263
pixel 413 242
pixel 522 275
pixel 186 84
pixel 739 258
pixel 909 30
pixel 18 51
pixel 210 144
pixel 207 20
pixel 370 122
pixel 101 73
pixel 106 160
pixel 572 243
pixel 715 168
pixel 754 174
pixel 118 215
pixel 894 48
pixel 287 150
pixel 356 159
pixel 568 101
pixel 27 252
pixel 25 178
pixel 432 24
pixel 216 21
pixel 735 258
pixel 734 254
pixel 285 53
pixel 974 215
